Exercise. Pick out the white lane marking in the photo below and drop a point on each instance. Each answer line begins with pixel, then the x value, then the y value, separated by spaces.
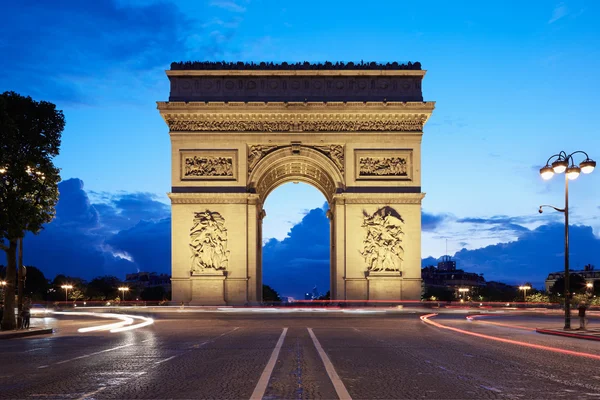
pixel 338 385
pixel 43 366
pixel 93 354
pixel 166 359
pixel 90 394
pixel 144 341
pixel 261 386
pixel 36 349
pixel 227 333
pixel 493 389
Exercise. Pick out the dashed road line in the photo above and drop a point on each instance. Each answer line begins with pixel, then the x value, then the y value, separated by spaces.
pixel 166 359
pixel 261 386
pixel 338 385
pixel 90 394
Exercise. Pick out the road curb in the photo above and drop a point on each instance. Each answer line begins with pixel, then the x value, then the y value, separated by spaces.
pixel 18 334
pixel 567 334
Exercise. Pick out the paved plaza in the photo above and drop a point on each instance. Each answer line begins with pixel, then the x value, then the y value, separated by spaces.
pixel 230 355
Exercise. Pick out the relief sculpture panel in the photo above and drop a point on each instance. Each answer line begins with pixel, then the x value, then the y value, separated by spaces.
pixel 383 164
pixel 208 165
pixel 382 245
pixel 335 152
pixel 208 243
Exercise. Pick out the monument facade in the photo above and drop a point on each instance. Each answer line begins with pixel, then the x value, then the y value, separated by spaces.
pixel 239 130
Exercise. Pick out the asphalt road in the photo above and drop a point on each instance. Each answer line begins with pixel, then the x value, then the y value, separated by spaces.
pixel 229 356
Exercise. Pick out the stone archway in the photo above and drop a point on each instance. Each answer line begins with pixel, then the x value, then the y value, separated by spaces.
pixel 238 133
pixel 311 164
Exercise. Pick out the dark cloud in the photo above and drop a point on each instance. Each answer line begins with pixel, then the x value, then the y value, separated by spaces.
pixel 123 211
pixel 430 222
pixel 533 255
pixel 70 50
pixel 148 244
pixel 296 264
pixel 128 232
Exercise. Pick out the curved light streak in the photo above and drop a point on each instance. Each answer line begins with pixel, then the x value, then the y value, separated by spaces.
pixel 125 323
pixel 425 318
pixel 476 318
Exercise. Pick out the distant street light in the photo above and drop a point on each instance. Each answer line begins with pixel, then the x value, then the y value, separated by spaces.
pixel 3 284
pixel 524 288
pixel 123 289
pixel 67 287
pixel 564 163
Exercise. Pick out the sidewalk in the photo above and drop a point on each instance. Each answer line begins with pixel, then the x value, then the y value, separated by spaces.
pixel 587 334
pixel 24 332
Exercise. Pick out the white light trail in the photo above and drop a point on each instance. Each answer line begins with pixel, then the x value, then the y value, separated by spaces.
pixel 125 323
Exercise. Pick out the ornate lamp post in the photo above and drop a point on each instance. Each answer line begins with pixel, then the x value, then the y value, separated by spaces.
pixel 563 162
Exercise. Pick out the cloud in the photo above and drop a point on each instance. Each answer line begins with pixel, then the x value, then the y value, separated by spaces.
pixel 299 262
pixel 430 222
pixel 560 11
pixel 228 5
pixel 533 255
pixel 75 51
pixel 125 233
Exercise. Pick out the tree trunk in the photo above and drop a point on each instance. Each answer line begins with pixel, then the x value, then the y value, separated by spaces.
pixel 8 320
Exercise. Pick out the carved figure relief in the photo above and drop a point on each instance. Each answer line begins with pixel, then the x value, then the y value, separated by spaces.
pixel 383 166
pixel 335 152
pixel 382 245
pixel 208 242
pixel 256 152
pixel 208 166
pixel 414 124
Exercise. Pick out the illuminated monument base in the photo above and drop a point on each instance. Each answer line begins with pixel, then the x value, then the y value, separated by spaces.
pixel 237 134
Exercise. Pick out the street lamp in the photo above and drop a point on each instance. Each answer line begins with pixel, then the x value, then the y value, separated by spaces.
pixel 67 287
pixel 123 289
pixel 563 162
pixel 524 288
pixel 3 284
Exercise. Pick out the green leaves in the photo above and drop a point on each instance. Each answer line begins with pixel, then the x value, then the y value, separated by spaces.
pixel 30 136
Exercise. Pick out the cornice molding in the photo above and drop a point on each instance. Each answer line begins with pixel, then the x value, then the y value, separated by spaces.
pixel 296 122
pixel 212 198
pixel 379 199
pixel 318 106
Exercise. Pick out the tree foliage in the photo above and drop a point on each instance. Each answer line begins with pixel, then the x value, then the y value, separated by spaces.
pixel 104 288
pixel 153 293
pixel 269 294
pixel 30 137
pixel 576 285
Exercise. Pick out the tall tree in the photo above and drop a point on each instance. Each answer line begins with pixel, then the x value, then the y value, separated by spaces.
pixel 576 285
pixel 269 294
pixel 30 133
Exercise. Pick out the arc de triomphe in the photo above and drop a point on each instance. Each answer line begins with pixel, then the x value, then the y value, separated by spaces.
pixel 240 130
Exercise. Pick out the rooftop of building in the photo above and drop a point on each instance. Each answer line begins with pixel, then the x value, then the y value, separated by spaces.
pixel 239 65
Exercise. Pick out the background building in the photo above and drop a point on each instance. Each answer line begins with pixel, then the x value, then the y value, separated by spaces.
pixel 588 273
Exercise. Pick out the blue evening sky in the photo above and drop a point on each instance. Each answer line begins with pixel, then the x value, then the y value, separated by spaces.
pixel 514 82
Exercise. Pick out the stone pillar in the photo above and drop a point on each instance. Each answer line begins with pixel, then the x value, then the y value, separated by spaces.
pixel 253 244
pixel 339 237
pixel 332 247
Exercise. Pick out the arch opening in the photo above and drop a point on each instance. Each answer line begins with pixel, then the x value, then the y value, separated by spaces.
pixel 296 249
